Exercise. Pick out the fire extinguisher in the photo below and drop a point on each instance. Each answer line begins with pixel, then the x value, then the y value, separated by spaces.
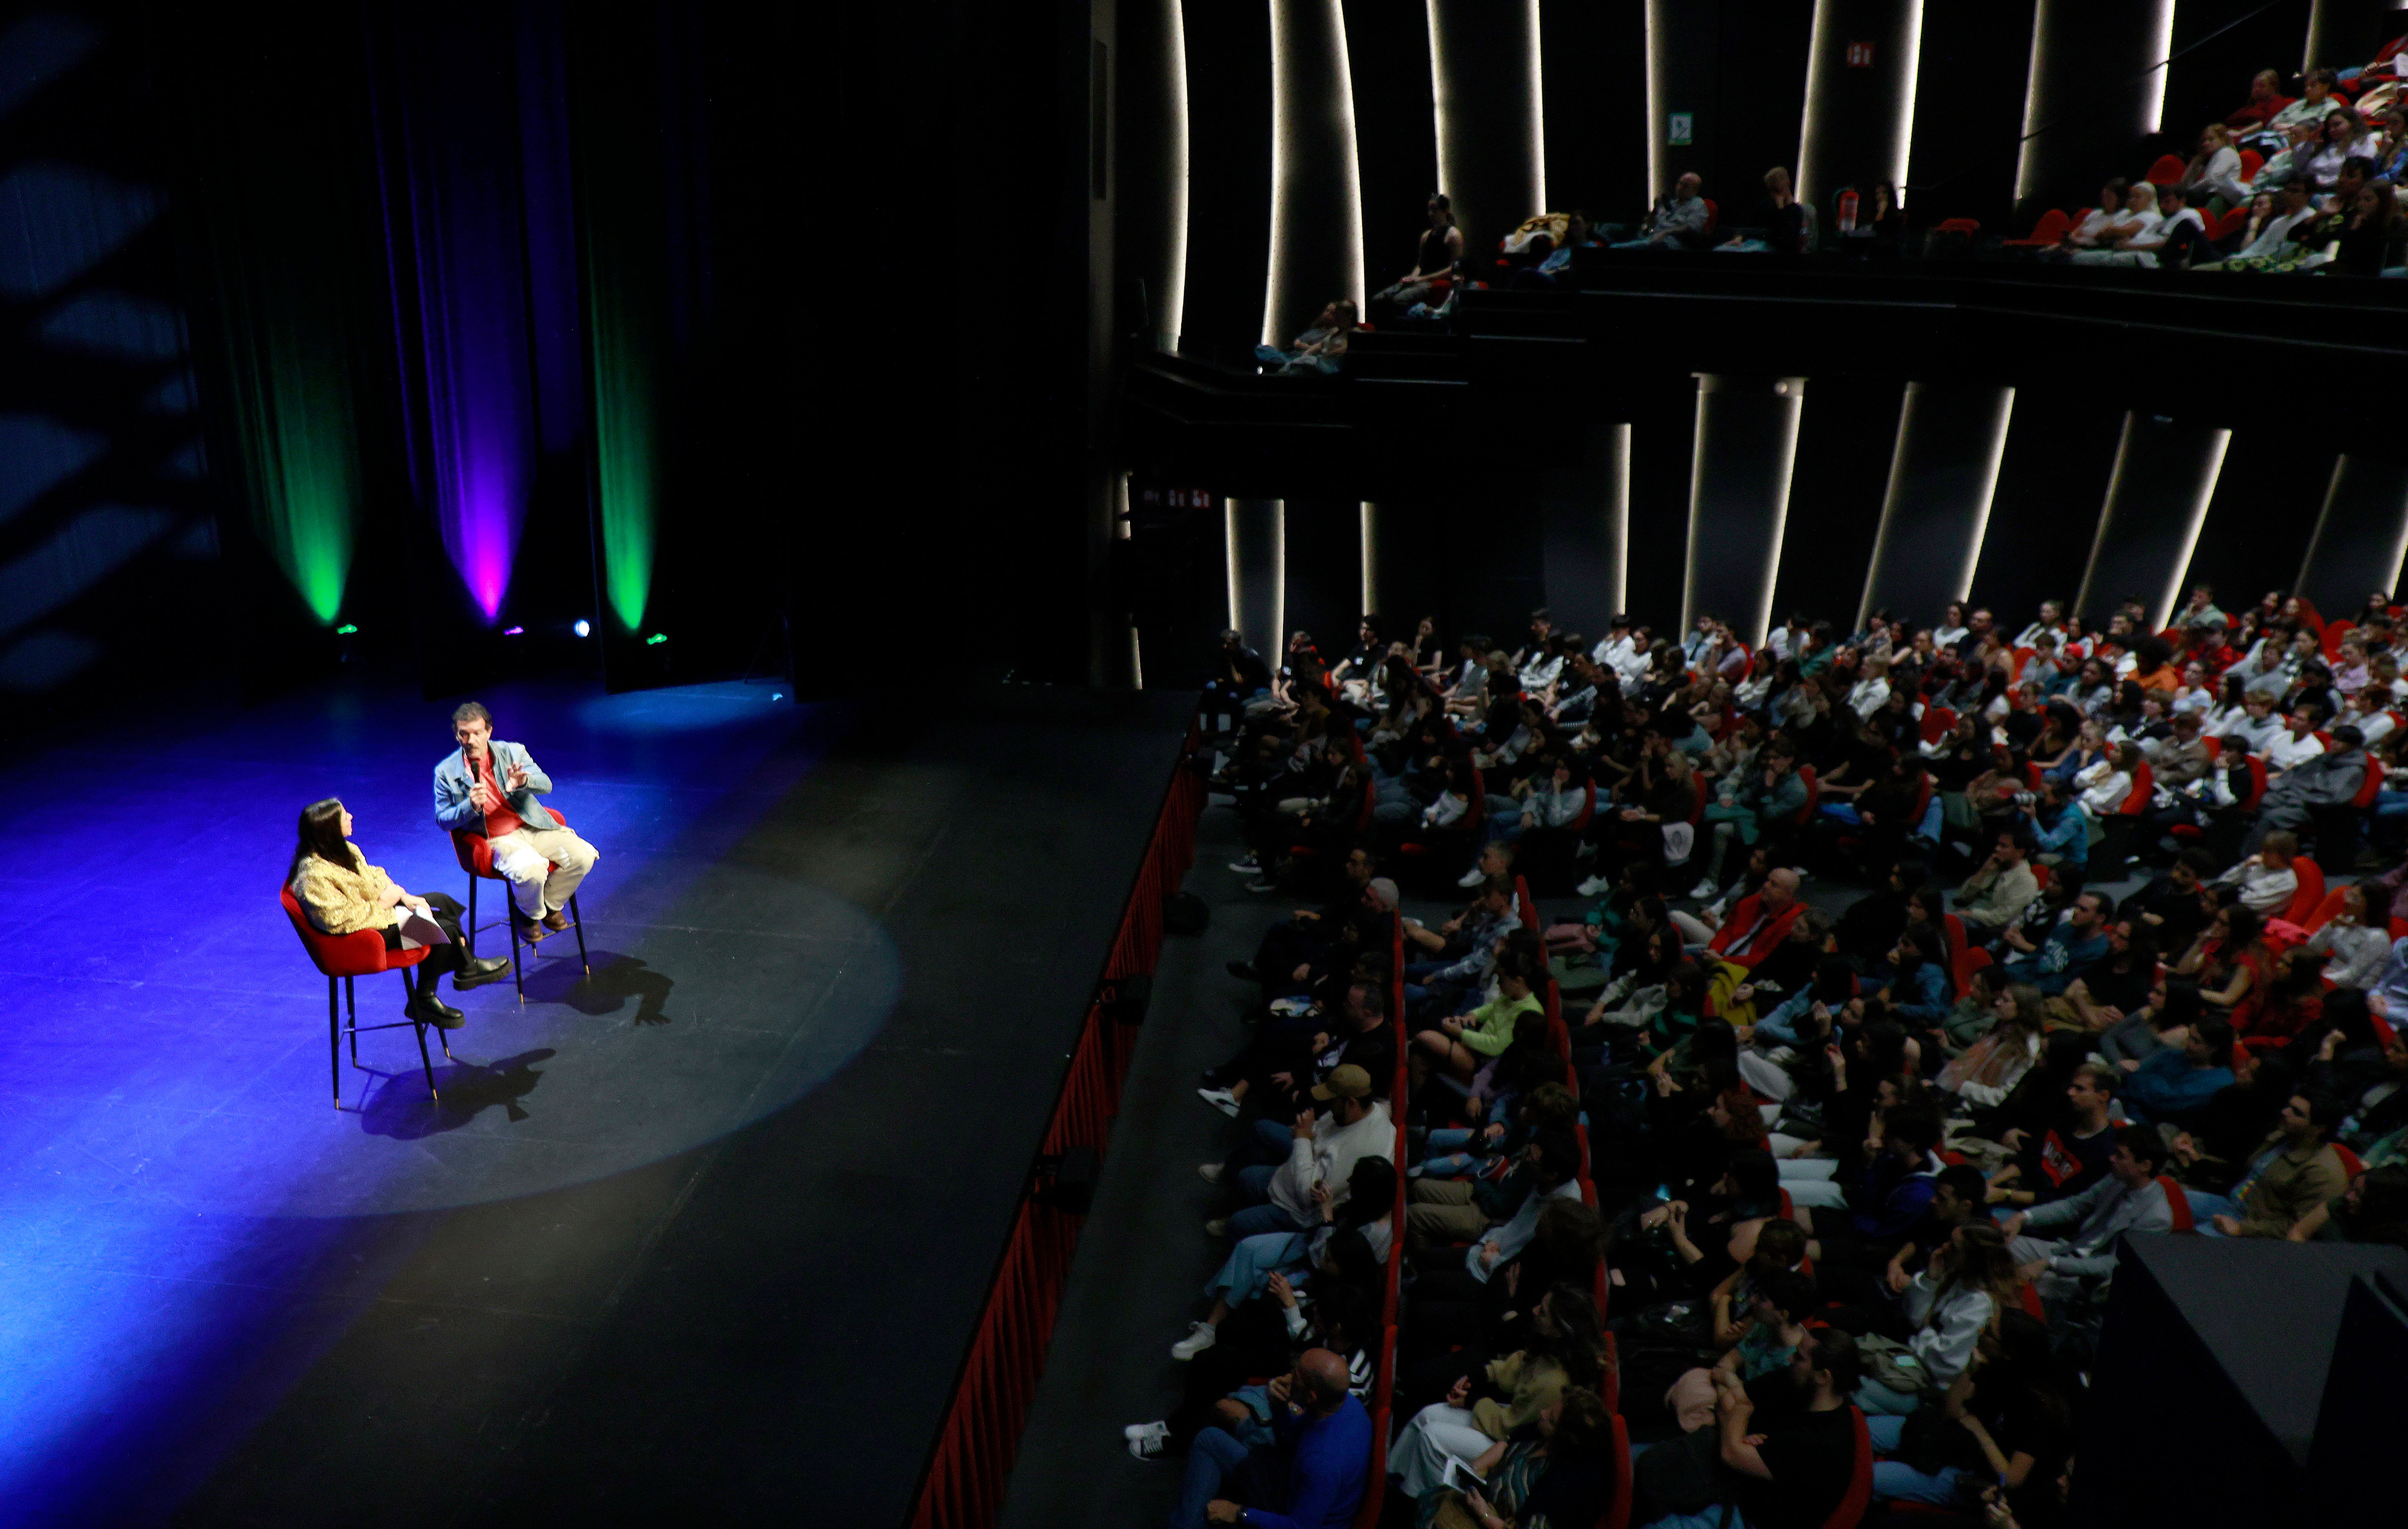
pixel 1848 210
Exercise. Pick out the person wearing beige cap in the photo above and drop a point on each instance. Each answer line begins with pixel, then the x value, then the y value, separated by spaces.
pixel 1323 1147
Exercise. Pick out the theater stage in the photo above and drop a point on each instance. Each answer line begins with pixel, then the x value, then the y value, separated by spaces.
pixel 700 1236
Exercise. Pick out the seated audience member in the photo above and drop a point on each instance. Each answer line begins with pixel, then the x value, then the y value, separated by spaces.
pixel 2110 243
pixel 1319 349
pixel 1321 1153
pixel 1559 1469
pixel 1781 1454
pixel 1970 1281
pixel 1461 1041
pixel 2091 231
pixel 2295 1172
pixel 2175 1082
pixel 2328 779
pixel 2071 1155
pixel 1312 1476
pixel 1366 1207
pixel 1678 221
pixel 2266 98
pixel 2374 1208
pixel 2370 230
pixel 2213 177
pixel 1786 228
pixel 1564 1350
pixel 1775 1321
pixel 1746 810
pixel 1997 892
pixel 2353 942
pixel 2013 1409
pixel 2128 1199
pixel 342 894
pixel 1435 259
pixel 2076 943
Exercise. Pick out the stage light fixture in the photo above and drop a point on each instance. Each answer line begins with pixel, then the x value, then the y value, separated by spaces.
pixel 656 639
pixel 583 627
pixel 514 631
pixel 345 629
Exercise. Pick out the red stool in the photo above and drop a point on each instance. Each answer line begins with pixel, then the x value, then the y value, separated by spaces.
pixel 360 953
pixel 475 854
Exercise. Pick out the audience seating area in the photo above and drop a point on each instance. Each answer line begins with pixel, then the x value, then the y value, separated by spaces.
pixel 1716 1077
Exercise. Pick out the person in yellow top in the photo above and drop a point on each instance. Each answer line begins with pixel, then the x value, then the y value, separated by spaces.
pixel 1463 1041
pixel 342 894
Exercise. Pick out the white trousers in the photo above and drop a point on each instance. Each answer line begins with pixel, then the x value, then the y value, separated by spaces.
pixel 1437 1433
pixel 543 867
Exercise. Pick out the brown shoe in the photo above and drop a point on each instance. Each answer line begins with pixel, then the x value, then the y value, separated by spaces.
pixel 530 930
pixel 556 920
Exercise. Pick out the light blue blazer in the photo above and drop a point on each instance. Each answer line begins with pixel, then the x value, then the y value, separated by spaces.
pixel 455 809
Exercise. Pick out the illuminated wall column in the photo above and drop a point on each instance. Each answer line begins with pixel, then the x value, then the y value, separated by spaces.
pixel 1484 72
pixel 2091 89
pixel 2156 501
pixel 1745 445
pixel 1257 533
pixel 2361 537
pixel 1151 109
pixel 1316 200
pixel 2325 37
pixel 1859 114
pixel 1942 474
pixel 1586 519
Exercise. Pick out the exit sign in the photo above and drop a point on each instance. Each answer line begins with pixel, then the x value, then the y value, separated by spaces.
pixel 1860 55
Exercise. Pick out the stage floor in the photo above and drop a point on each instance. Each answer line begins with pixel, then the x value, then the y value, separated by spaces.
pixel 700 1235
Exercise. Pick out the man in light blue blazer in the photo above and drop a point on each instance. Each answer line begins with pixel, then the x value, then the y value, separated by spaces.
pixel 490 787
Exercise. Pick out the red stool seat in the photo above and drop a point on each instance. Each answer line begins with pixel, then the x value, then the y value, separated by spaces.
pixel 475 854
pixel 360 953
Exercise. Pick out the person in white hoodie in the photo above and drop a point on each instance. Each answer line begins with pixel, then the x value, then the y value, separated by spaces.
pixel 1949 1305
pixel 1321 1150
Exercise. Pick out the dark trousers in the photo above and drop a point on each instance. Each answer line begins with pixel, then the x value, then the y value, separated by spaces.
pixel 439 958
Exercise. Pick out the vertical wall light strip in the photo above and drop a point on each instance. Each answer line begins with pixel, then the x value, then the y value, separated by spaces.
pixel 1891 502
pixel 1229 525
pixel 2024 166
pixel 2181 574
pixel 1618 510
pixel 1655 186
pixel 1440 107
pixel 1349 183
pixel 1989 492
pixel 2153 90
pixel 2399 556
pixel 1303 102
pixel 2324 519
pixel 1174 288
pixel 1276 647
pixel 2098 537
pixel 1901 143
pixel 1818 60
pixel 1697 499
pixel 1536 63
pixel 1370 558
pixel 1794 387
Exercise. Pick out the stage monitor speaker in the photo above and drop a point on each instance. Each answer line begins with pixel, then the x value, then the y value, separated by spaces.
pixel 2211 1391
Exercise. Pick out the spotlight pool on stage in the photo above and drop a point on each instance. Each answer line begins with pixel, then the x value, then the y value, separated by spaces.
pixel 170 1167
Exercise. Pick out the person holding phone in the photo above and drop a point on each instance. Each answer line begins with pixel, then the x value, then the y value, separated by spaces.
pixel 490 787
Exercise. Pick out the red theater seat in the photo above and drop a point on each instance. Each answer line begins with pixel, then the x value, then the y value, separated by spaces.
pixel 360 953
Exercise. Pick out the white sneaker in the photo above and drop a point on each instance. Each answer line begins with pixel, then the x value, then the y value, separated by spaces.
pixel 1472 878
pixel 1217 1227
pixel 1248 866
pixel 1226 1103
pixel 1595 886
pixel 1209 1172
pixel 1201 1336
pixel 1146 1439
pixel 1702 891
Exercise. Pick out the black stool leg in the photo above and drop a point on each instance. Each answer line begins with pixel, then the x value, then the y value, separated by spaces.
pixel 351 1002
pixel 335 1041
pixel 577 921
pixel 518 967
pixel 418 1027
pixel 468 934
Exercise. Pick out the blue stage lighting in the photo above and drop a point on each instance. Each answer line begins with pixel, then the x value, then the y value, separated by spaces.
pixel 583 627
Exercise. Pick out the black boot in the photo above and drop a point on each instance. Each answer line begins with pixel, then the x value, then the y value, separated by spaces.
pixel 426 1006
pixel 477 973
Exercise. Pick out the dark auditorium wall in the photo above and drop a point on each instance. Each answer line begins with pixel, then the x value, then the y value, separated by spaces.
pixel 1229 169
pixel 1937 498
pixel 1325 571
pixel 2164 472
pixel 1738 66
pixel 2052 484
pixel 1595 56
pixel 1747 433
pixel 1489 98
pixel 1316 227
pixel 1150 168
pixel 1969 112
pixel 2088 113
pixel 2263 514
pixel 1395 144
pixel 1663 431
pixel 2219 44
pixel 1856 111
pixel 2360 535
pixel 1845 436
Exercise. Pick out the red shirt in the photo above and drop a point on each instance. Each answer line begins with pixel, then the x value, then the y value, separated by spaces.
pixel 480 774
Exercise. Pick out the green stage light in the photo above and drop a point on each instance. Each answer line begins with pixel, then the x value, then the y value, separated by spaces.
pixel 345 629
pixel 623 428
pixel 656 639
